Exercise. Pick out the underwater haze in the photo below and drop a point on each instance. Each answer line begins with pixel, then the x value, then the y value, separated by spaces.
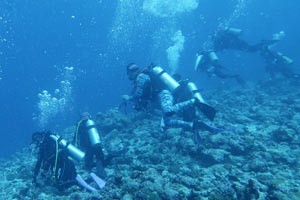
pixel 59 58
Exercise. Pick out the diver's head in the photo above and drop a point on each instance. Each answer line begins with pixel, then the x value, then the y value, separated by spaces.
pixel 132 70
pixel 177 77
pixel 38 137
pixel 278 36
pixel 85 115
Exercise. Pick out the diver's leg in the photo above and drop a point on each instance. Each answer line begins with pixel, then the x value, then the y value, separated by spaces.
pixel 166 100
pixel 173 123
pixel 167 103
pixel 182 106
pixel 62 186
pixel 237 77
pixel 67 174
pixel 97 150
pixel 89 159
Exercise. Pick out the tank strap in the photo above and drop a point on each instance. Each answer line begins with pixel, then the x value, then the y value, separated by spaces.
pixel 163 71
pixel 143 70
pixel 92 126
pixel 59 139
pixel 56 158
pixel 196 91
pixel 76 133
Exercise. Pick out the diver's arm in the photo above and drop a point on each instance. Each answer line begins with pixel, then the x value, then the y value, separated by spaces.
pixel 141 83
pixel 37 167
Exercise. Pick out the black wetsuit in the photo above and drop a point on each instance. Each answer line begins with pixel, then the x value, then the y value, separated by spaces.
pixel 226 40
pixel 275 63
pixel 223 40
pixel 63 170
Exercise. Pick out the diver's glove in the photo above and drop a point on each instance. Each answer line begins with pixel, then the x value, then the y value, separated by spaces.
pixel 126 97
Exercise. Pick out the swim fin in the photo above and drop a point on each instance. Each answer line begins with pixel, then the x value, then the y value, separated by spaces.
pixel 82 182
pixel 100 182
pixel 207 110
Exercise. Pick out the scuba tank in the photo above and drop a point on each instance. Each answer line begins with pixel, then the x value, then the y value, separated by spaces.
pixel 234 31
pixel 195 92
pixel 207 110
pixel 213 56
pixel 74 152
pixel 167 80
pixel 285 58
pixel 198 60
pixel 93 132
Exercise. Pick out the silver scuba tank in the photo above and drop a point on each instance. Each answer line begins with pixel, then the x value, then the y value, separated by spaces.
pixel 195 91
pixel 288 60
pixel 93 132
pixel 235 31
pixel 74 152
pixel 167 80
pixel 198 60
pixel 285 58
pixel 207 110
pixel 213 56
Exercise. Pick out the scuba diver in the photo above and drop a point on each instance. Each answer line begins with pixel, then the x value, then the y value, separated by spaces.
pixel 229 38
pixel 153 83
pixel 208 61
pixel 149 82
pixel 276 62
pixel 88 139
pixel 141 95
pixel 55 158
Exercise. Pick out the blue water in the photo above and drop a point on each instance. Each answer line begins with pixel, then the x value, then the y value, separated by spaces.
pixel 38 39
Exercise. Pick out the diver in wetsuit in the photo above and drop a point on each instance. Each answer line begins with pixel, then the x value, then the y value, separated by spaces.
pixel 229 38
pixel 54 159
pixel 155 84
pixel 208 62
pixel 88 139
pixel 276 62
pixel 141 94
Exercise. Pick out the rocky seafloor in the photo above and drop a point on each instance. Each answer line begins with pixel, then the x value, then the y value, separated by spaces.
pixel 259 160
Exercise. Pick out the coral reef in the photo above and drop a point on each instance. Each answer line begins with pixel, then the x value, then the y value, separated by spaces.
pixel 259 160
